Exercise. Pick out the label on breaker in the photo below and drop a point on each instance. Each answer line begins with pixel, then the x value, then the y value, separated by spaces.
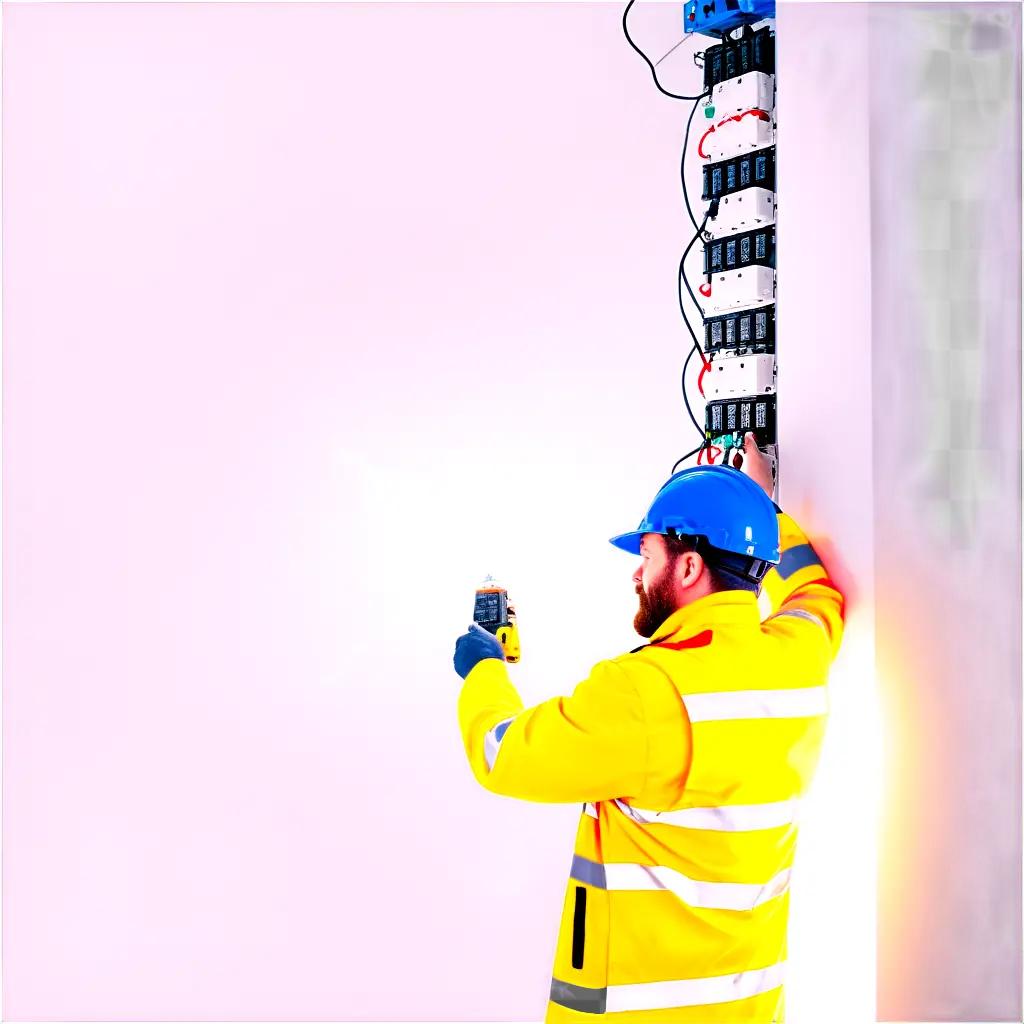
pixel 741 414
pixel 737 251
pixel 746 330
pixel 748 170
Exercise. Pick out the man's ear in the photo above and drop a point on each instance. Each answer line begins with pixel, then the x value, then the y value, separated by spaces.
pixel 689 562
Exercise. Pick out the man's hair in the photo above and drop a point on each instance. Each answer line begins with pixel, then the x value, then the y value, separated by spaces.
pixel 719 577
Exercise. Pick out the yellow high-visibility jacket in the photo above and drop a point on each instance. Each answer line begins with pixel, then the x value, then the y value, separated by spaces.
pixel 690 755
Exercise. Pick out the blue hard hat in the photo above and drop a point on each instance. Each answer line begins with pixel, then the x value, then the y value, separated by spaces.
pixel 717 502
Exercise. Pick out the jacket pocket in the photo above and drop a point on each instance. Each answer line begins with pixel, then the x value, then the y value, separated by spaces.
pixel 581 953
pixel 579 927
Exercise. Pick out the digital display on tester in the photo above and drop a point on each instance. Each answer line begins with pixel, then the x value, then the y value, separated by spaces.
pixel 491 609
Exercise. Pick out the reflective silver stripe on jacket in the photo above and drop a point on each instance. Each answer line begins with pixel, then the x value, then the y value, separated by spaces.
pixel 726 818
pixel 666 995
pixel 800 613
pixel 492 741
pixel 577 997
pixel 704 895
pixel 803 702
pixel 798 557
pixel 589 871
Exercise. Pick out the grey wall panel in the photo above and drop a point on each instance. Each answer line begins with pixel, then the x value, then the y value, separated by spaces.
pixel 946 247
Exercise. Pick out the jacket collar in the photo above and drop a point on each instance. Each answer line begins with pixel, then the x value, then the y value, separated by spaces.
pixel 723 607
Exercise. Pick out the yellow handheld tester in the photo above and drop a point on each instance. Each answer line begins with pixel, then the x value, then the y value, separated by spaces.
pixel 497 616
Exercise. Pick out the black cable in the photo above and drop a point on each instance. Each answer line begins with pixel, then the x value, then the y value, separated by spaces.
pixel 703 444
pixel 698 227
pixel 696 344
pixel 686 397
pixel 682 277
pixel 700 308
pixel 682 160
pixel 654 74
pixel 694 348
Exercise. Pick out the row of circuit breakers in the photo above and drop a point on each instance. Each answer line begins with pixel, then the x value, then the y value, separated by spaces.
pixel 737 145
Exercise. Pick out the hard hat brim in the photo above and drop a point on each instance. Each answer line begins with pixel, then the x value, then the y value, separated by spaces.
pixel 629 542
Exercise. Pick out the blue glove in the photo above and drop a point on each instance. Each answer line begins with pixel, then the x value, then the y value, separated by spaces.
pixel 474 646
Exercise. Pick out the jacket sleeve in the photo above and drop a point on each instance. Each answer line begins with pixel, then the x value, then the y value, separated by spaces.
pixel 589 746
pixel 802 602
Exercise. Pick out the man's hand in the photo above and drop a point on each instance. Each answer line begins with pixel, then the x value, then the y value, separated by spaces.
pixel 755 464
pixel 474 646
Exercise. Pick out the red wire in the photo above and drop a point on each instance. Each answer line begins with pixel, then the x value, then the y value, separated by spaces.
pixel 706 294
pixel 732 117
pixel 700 377
pixel 709 448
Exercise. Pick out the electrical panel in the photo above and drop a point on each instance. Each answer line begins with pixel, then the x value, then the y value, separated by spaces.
pixel 733 136
pixel 738 297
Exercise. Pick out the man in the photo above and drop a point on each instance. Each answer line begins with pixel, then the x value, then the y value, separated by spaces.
pixel 690 755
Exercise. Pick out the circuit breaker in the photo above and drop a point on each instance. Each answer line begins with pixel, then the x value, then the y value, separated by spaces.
pixel 748 248
pixel 752 51
pixel 735 125
pixel 751 170
pixel 746 331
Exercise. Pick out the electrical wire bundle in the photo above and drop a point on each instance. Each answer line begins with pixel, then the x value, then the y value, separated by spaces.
pixel 699 229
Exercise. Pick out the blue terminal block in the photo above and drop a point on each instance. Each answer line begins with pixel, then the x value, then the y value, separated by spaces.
pixel 716 17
